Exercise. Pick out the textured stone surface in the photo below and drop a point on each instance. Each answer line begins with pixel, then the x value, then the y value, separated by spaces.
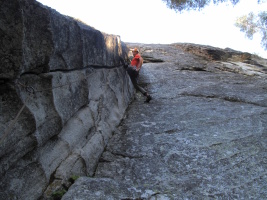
pixel 203 136
pixel 37 39
pixel 66 79
pixel 63 122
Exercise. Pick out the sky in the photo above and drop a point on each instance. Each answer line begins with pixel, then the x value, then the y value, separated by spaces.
pixel 150 21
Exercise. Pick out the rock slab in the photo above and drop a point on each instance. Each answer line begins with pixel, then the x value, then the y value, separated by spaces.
pixel 203 136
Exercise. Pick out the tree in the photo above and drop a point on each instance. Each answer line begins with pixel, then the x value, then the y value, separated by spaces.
pixel 251 24
pixel 180 5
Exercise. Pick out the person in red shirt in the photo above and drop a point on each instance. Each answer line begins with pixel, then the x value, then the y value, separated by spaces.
pixel 133 71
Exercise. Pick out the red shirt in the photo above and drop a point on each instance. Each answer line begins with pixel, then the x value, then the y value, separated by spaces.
pixel 136 60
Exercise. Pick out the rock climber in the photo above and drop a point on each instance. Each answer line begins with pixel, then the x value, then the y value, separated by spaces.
pixel 133 71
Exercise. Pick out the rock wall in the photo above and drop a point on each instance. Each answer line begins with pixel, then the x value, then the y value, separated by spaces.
pixel 62 95
pixel 203 135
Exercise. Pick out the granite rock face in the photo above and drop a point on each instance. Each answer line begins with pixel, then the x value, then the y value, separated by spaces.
pixel 203 136
pixel 63 92
pixel 63 95
pixel 35 39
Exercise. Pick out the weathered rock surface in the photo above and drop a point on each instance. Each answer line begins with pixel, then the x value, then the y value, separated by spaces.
pixel 66 79
pixel 63 94
pixel 35 39
pixel 203 136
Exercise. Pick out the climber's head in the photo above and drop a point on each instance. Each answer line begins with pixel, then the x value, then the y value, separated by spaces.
pixel 135 51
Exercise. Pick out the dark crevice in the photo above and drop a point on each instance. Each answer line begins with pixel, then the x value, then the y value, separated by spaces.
pixel 93 67
pixel 70 70
pixel 171 131
pixel 102 160
pixel 194 69
pixel 230 99
pixel 252 62
pixel 126 156
pixel 5 85
pixel 29 73
pixel 104 67
pixel 155 194
pixel 216 144
pixel 52 178
pixel 233 63
pixel 4 80
pixel 149 59
pixel 90 132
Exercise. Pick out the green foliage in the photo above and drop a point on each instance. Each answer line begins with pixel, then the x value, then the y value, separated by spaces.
pixel 263 24
pixel 251 24
pixel 58 194
pixel 180 5
pixel 247 24
pixel 73 178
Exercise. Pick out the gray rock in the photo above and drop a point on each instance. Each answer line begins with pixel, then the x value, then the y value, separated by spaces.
pixel 63 95
pixel 23 182
pixel 203 136
pixel 67 122
pixel 68 44
pixel 38 39
pixel 63 92
pixel 105 188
